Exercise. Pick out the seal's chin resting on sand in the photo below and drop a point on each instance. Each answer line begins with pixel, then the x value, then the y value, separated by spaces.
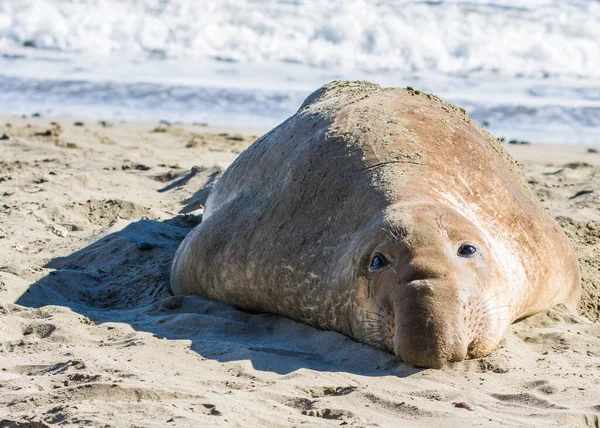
pixel 384 214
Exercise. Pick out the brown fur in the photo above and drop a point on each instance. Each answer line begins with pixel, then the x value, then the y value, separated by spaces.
pixel 293 224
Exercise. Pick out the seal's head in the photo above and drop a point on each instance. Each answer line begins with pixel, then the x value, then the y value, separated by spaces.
pixel 432 286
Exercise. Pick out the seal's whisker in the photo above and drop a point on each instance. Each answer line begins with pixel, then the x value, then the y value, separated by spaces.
pixel 389 232
pixel 370 330
pixel 377 314
pixel 379 306
pixel 374 321
pixel 503 311
pixel 500 317
pixel 370 337
pixel 499 309
pixel 490 299
pixel 493 296
pixel 397 233
pixel 509 306
pixel 373 325
pixel 489 336
pixel 372 333
pixel 493 343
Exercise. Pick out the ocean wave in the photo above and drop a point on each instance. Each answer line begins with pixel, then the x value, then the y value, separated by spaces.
pixel 530 38
pixel 553 112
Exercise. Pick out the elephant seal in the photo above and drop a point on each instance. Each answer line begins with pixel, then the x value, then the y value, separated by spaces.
pixel 387 215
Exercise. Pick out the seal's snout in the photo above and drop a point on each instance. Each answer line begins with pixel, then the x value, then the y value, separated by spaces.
pixel 429 330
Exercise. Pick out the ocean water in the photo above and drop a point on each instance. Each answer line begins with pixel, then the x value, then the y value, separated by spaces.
pixel 525 69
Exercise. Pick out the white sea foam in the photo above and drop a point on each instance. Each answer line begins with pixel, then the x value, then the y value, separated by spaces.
pixel 529 69
pixel 521 36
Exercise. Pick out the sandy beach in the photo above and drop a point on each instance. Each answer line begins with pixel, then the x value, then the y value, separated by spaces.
pixel 91 213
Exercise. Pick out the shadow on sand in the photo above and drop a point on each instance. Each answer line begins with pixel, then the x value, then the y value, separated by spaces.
pixel 124 277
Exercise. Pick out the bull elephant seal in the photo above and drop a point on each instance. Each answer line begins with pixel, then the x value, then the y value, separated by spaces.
pixel 387 215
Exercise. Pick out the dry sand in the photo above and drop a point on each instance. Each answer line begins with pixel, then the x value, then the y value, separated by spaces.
pixel 90 217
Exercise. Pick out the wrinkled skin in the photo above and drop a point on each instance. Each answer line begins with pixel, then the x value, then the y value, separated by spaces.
pixel 295 225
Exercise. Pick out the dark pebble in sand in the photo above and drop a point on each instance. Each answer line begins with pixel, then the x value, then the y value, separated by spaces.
pixel 145 246
pixel 463 405
pixel 78 124
pixel 142 167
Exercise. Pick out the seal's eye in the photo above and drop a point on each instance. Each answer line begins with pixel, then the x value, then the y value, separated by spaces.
pixel 378 262
pixel 467 250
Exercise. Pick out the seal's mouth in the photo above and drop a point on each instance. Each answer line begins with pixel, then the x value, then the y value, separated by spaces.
pixel 430 351
pixel 431 332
